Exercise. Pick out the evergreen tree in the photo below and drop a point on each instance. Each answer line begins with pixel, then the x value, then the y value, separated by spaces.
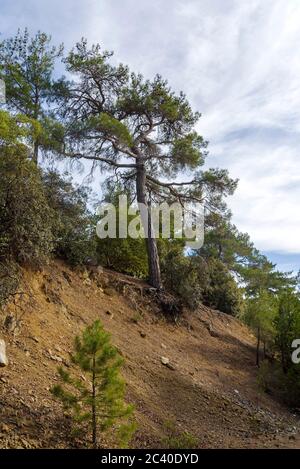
pixel 287 326
pixel 97 401
pixel 260 315
pixel 141 131
pixel 26 66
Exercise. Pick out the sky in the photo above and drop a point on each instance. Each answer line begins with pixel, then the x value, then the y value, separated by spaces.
pixel 238 63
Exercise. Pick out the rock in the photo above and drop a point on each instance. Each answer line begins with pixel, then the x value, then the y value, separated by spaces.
pixel 85 275
pixel 67 277
pixel 109 291
pixel 3 356
pixel 142 334
pixel 55 358
pixel 96 270
pixel 164 360
pixel 163 346
pixel 35 339
pixel 4 428
pixel 87 282
pixel 212 332
pixel 64 309
pixel 170 366
pixel 10 323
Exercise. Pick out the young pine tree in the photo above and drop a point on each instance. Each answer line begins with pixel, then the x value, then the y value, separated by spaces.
pixel 96 401
pixel 260 315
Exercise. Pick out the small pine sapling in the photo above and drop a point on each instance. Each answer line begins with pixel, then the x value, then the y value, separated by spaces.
pixel 96 399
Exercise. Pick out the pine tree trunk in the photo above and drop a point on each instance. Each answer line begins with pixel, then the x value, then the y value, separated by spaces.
pixel 94 420
pixel 258 346
pixel 283 361
pixel 153 258
pixel 35 152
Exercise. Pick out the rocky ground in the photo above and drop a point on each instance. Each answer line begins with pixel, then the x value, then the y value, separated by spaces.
pixel 200 373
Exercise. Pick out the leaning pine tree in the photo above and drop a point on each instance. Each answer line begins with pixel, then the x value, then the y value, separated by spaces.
pixel 141 132
pixel 96 400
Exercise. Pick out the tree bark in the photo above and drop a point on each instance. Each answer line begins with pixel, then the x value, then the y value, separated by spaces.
pixel 283 361
pixel 94 419
pixel 153 258
pixel 35 152
pixel 258 346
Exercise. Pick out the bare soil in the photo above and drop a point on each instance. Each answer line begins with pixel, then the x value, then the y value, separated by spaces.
pixel 209 389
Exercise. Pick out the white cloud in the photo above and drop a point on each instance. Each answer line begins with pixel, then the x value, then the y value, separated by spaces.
pixel 239 63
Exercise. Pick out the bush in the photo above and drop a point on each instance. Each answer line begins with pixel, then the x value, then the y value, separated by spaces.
pixel 73 226
pixel 221 290
pixel 283 386
pixel 125 255
pixel 178 440
pixel 25 217
pixel 181 276
pixel 9 281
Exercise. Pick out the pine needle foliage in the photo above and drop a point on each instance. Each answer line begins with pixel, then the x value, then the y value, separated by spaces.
pixel 96 399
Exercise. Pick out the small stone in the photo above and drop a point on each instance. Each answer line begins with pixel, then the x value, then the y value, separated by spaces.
pixel 10 323
pixel 109 291
pixel 64 309
pixel 164 360
pixel 170 366
pixel 67 276
pixel 4 428
pixel 35 339
pixel 163 346
pixel 142 334
pixel 55 358
pixel 3 356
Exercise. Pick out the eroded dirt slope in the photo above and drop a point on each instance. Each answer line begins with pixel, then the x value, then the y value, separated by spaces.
pixel 208 389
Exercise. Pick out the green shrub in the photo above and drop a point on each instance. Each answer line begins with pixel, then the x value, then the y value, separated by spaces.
pixel 73 226
pixel 221 290
pixel 25 217
pixel 181 276
pixel 176 439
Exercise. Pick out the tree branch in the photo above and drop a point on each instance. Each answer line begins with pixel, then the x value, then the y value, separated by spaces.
pixel 101 159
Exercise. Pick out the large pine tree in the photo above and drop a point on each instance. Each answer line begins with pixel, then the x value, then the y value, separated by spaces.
pixel 140 131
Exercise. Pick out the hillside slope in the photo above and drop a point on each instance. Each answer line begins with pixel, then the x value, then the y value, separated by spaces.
pixel 209 388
